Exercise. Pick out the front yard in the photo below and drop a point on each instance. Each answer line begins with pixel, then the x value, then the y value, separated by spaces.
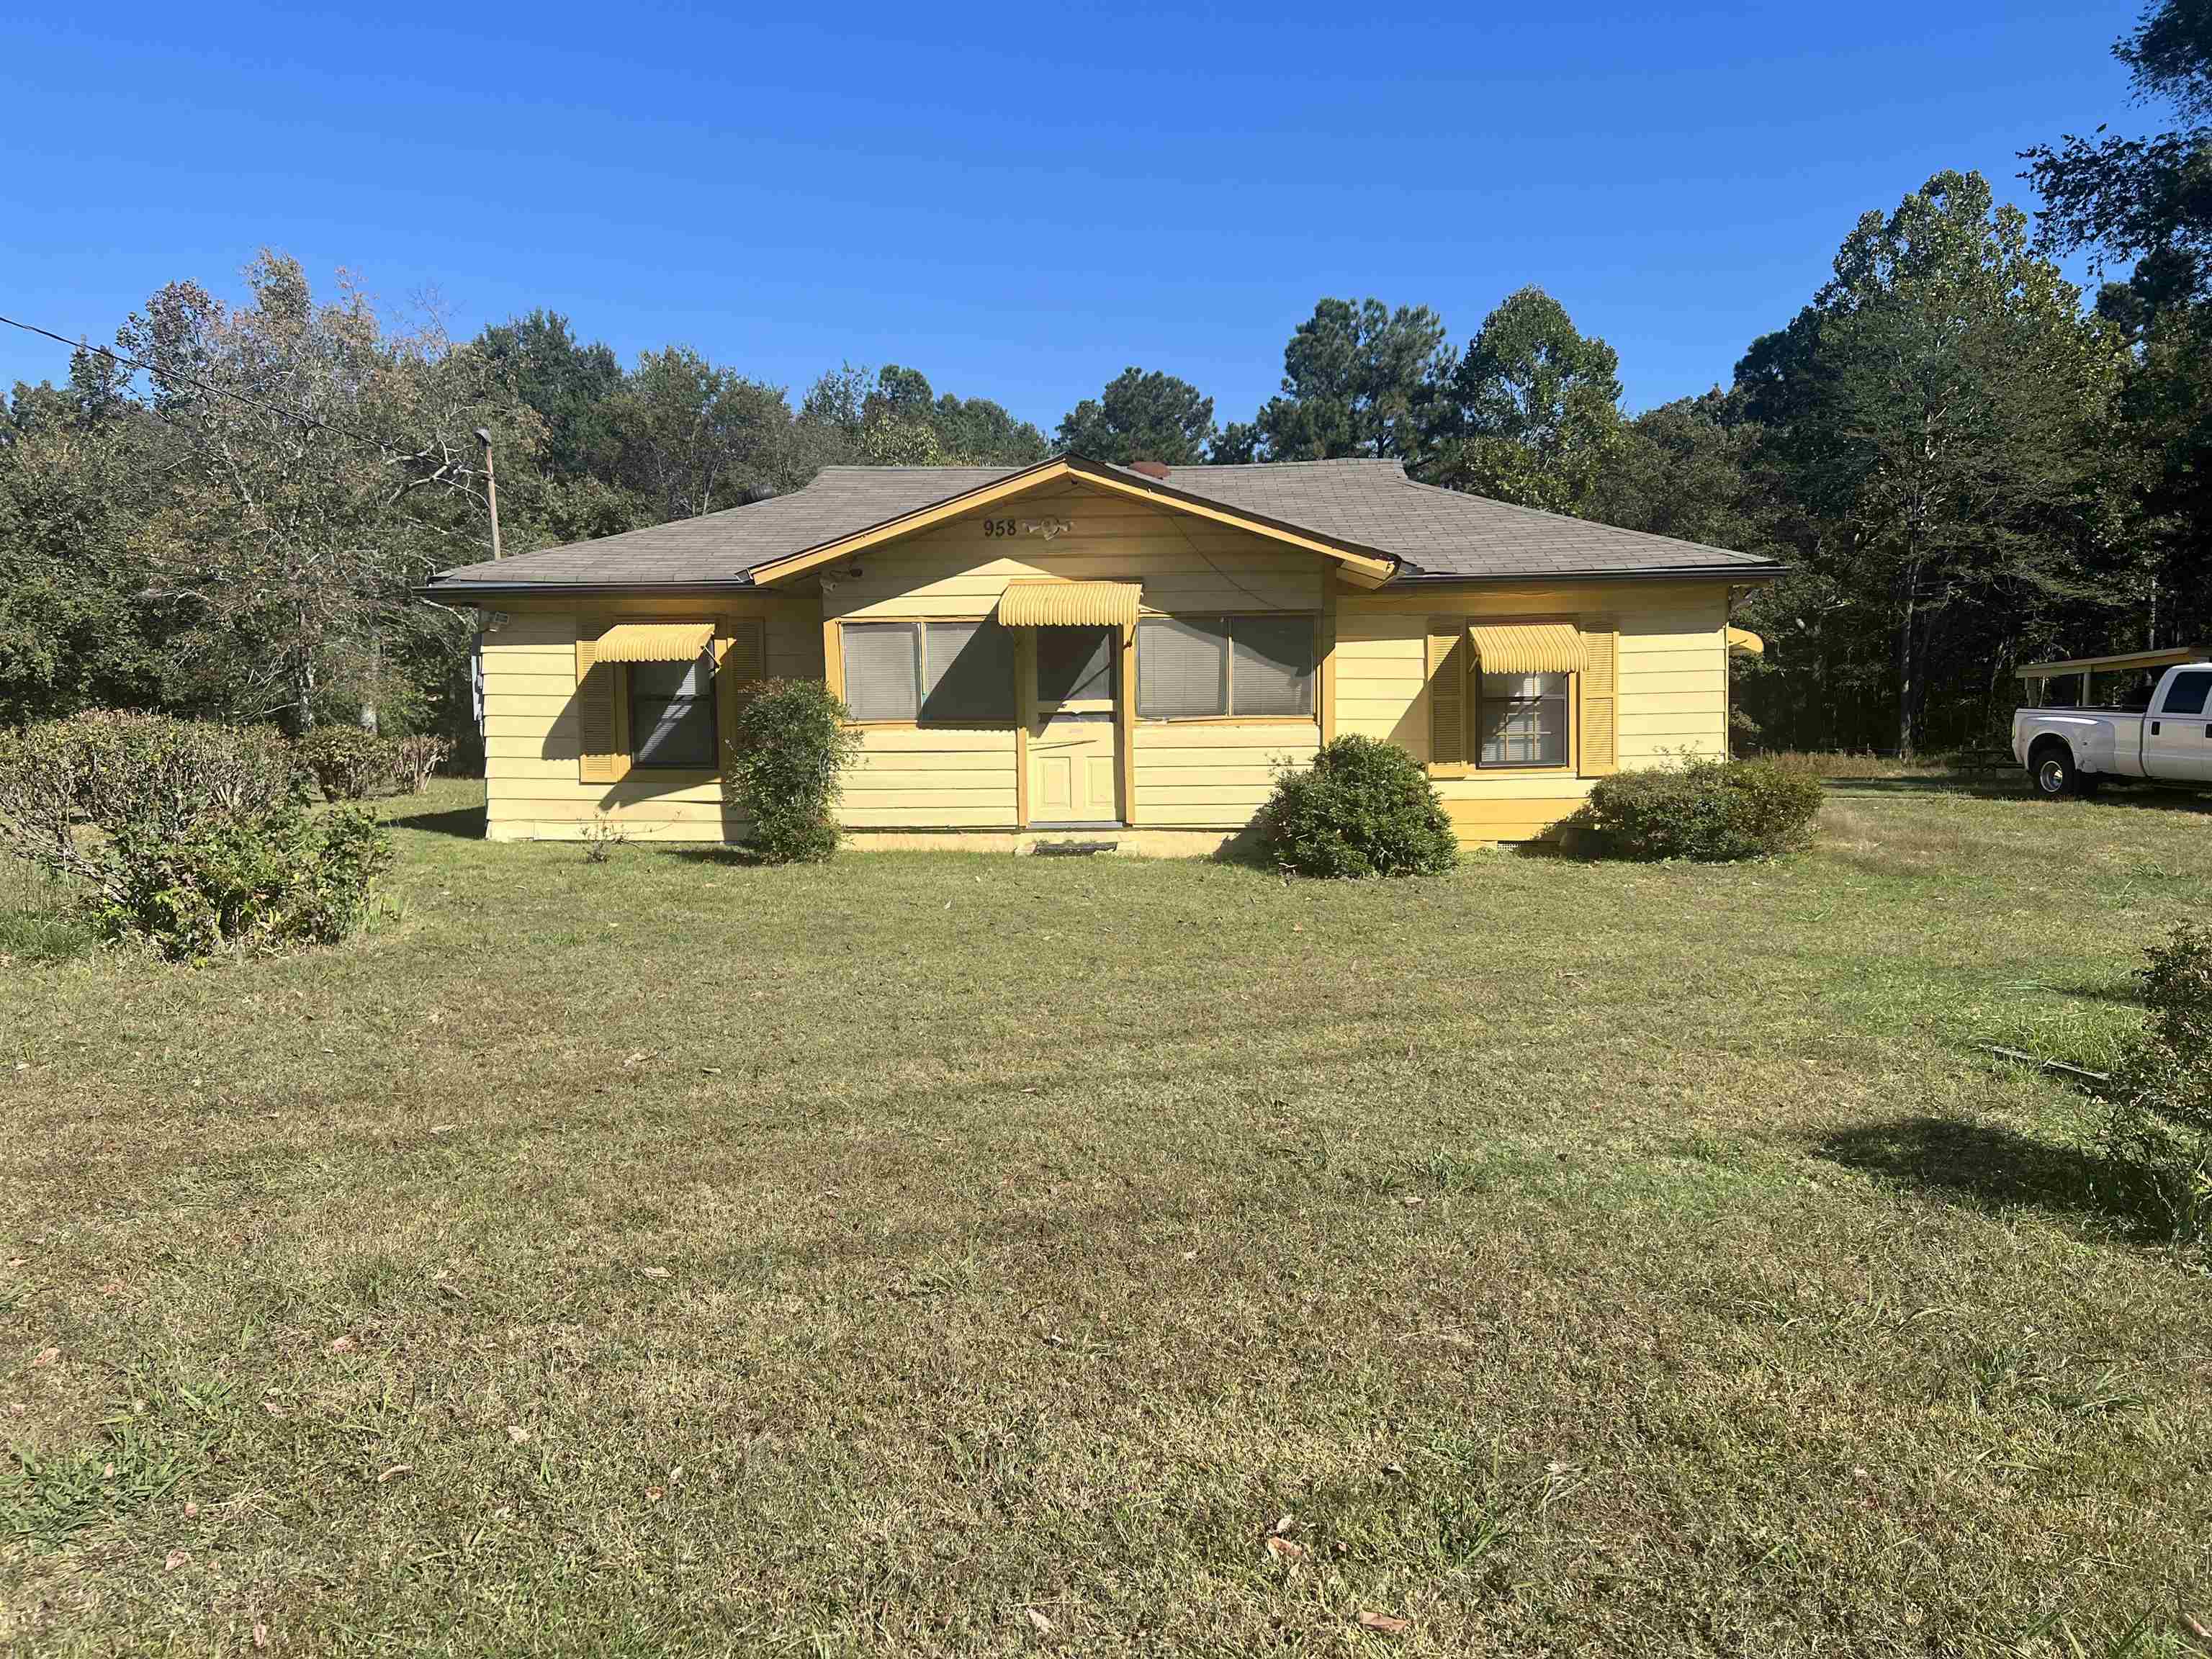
pixel 942 1253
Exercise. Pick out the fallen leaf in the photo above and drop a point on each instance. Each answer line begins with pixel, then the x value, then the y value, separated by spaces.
pixel 113 1287
pixel 517 1433
pixel 1384 1624
pixel 1039 1620
pixel 191 1509
pixel 1283 1550
pixel 653 1494
pixel 655 1272
pixel 443 1128
pixel 1283 1526
pixel 1413 1203
pixel 261 1635
pixel 46 1357
pixel 343 1345
pixel 108 1471
pixel 176 1559
pixel 710 1071
pixel 395 1472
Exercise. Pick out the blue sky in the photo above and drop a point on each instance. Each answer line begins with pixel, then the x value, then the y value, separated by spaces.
pixel 1023 201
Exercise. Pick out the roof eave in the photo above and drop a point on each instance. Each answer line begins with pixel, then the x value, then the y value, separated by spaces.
pixel 483 590
pixel 1737 573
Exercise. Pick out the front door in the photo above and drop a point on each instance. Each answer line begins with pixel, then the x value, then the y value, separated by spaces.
pixel 1072 768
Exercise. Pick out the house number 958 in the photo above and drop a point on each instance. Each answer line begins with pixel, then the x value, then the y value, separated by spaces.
pixel 1000 527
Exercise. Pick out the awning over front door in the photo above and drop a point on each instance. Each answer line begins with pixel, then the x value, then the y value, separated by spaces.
pixel 654 642
pixel 1528 647
pixel 1068 604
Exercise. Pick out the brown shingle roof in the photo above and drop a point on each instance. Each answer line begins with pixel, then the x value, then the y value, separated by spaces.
pixel 1369 506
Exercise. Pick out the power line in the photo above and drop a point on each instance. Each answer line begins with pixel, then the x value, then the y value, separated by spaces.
pixel 377 444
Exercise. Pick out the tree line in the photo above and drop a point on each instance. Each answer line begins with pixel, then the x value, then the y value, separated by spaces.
pixel 1966 461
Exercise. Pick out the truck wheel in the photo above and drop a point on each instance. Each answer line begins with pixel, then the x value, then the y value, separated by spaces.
pixel 2051 768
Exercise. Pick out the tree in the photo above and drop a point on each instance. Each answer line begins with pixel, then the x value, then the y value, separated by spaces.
pixel 74 482
pixel 1354 379
pixel 1141 416
pixel 1531 413
pixel 691 438
pixel 316 465
pixel 569 384
pixel 2147 199
pixel 1939 411
pixel 1687 468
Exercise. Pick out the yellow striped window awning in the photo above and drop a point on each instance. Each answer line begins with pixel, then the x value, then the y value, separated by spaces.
pixel 654 642
pixel 1068 604
pixel 1528 647
pixel 1743 643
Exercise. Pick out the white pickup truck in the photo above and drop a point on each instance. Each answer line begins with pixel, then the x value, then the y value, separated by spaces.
pixel 2069 751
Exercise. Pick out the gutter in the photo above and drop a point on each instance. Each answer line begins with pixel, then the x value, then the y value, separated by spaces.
pixel 1403 579
pixel 1747 574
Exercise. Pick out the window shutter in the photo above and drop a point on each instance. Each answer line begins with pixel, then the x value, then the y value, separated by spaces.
pixel 1447 691
pixel 601 755
pixel 741 663
pixel 1601 688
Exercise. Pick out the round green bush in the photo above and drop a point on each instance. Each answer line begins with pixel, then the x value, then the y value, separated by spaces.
pixel 1363 808
pixel 792 741
pixel 1707 810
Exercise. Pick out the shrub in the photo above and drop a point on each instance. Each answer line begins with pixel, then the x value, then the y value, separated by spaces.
pixel 416 760
pixel 1706 810
pixel 1363 808
pixel 249 884
pixel 117 774
pixel 2159 1133
pixel 348 762
pixel 351 764
pixel 792 740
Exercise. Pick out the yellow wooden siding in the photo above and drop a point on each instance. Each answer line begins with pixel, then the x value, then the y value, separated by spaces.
pixel 1673 681
pixel 531 785
pixel 931 778
pixel 1183 565
pixel 1213 775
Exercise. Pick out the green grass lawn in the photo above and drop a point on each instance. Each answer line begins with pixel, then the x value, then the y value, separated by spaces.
pixel 965 1253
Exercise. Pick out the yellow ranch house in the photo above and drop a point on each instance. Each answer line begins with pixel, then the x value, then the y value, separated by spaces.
pixel 1120 653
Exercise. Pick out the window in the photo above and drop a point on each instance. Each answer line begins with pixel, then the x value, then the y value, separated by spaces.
pixel 956 672
pixel 1193 667
pixel 1074 664
pixel 672 713
pixel 1271 670
pixel 2186 695
pixel 1522 719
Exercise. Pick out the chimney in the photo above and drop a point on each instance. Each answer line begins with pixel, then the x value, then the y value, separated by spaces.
pixel 1151 469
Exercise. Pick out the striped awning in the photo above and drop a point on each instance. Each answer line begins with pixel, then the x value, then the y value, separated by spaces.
pixel 654 642
pixel 1528 647
pixel 1068 604
pixel 1745 643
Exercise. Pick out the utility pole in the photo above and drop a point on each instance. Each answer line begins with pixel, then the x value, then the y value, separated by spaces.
pixel 491 488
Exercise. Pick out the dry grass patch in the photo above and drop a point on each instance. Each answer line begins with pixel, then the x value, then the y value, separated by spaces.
pixel 962 1254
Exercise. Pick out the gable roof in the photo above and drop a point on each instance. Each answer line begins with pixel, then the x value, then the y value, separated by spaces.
pixel 1367 513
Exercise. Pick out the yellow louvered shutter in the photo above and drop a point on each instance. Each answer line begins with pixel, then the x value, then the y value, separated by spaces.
pixel 602 756
pixel 741 664
pixel 1601 700
pixel 1448 691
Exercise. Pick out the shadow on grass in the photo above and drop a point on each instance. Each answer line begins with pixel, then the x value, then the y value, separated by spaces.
pixel 467 822
pixel 1991 1168
pixel 2013 786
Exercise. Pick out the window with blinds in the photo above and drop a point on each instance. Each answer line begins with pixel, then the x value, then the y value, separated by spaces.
pixel 954 673
pixel 1522 719
pixel 1192 668
pixel 883 670
pixel 672 713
